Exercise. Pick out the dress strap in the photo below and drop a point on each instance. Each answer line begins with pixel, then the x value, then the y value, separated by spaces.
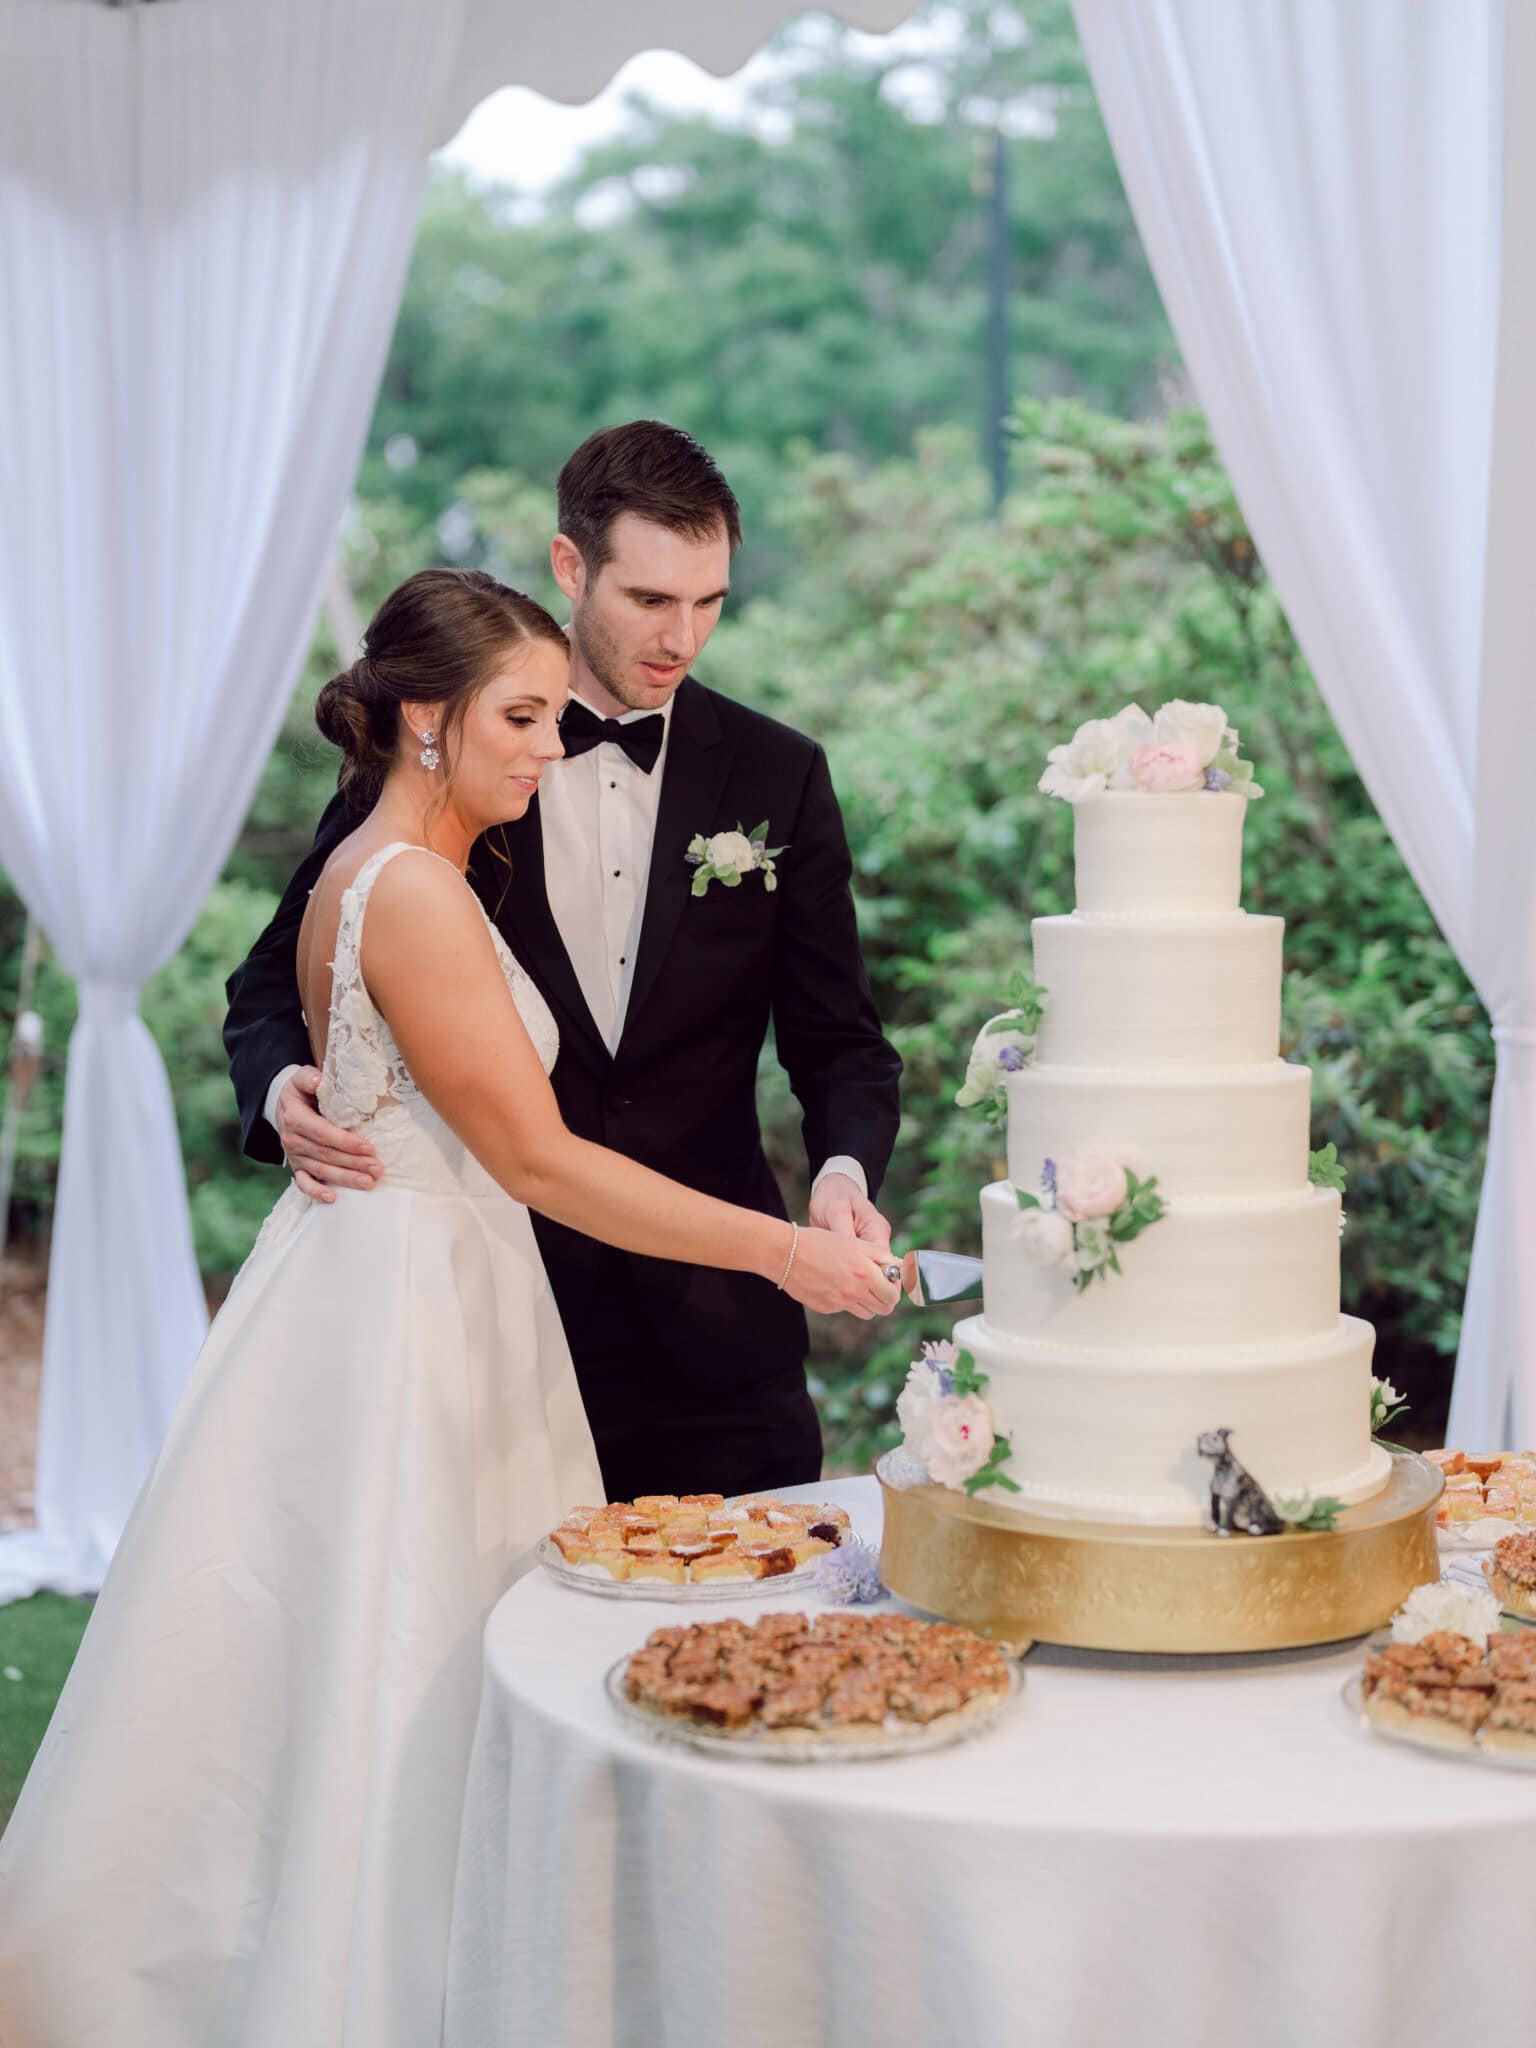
pixel 346 967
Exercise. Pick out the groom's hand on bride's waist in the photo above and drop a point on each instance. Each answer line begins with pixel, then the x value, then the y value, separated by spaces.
pixel 322 1156
pixel 838 1203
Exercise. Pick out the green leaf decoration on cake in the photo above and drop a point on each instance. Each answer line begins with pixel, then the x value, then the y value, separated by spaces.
pixel 1324 1170
pixel 1305 1513
pixel 1004 1045
pixel 992 1474
pixel 1029 997
pixel 964 1378
pixel 1142 1206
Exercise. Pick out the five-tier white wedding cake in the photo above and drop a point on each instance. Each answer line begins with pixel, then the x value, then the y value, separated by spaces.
pixel 1158 1262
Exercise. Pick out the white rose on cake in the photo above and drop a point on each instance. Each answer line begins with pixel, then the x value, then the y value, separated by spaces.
pixel 916 1398
pixel 730 852
pixel 1089 1186
pixel 1044 1238
pixel 1083 768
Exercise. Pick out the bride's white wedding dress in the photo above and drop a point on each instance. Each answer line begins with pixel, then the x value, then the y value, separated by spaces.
pixel 241 1829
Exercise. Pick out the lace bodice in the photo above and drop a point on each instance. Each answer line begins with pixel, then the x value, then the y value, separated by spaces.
pixel 363 1070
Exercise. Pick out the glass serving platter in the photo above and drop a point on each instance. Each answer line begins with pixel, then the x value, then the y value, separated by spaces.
pixel 860 1744
pixel 1475 1751
pixel 590 1578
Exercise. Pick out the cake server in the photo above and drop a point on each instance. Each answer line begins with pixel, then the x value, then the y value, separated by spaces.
pixel 940 1276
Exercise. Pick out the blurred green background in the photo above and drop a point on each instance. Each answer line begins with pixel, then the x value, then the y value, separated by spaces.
pixel 807 294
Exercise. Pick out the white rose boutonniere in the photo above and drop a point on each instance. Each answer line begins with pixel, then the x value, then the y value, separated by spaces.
pixel 727 856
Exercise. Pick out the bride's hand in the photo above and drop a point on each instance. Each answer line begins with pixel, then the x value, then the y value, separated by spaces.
pixel 831 1273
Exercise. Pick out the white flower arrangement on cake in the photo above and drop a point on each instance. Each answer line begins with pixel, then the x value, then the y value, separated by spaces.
pixel 947 1424
pixel 1181 747
pixel 1093 1206
pixel 1004 1045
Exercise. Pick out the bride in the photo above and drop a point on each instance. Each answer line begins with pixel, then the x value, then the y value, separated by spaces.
pixel 241 1829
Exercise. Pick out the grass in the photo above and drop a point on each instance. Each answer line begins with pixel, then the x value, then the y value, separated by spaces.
pixel 38 1639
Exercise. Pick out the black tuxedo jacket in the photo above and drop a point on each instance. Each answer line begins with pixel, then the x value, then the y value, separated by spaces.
pixel 680 1093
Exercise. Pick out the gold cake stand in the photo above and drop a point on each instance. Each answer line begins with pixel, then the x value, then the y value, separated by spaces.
pixel 1019 1578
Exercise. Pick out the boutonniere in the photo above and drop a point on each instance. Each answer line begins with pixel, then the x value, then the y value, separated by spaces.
pixel 727 856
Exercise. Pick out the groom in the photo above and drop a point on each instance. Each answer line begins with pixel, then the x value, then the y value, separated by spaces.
pixel 693 1379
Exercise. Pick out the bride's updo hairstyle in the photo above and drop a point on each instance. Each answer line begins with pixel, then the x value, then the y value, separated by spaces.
pixel 436 640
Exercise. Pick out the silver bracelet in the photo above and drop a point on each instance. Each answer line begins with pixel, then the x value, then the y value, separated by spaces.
pixel 794 1246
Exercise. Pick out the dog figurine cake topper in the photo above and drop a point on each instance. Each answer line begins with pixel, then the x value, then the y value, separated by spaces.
pixel 1239 1505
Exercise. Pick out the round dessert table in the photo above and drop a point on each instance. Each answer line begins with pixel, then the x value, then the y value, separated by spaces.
pixel 1210 1852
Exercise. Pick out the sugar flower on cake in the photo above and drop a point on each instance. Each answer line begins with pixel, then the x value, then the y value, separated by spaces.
pixel 1004 1045
pixel 1181 747
pixel 954 1438
pixel 1089 1186
pixel 1090 1205
pixel 1089 761
pixel 1386 1405
pixel 1045 1237
pixel 928 1379
pixel 948 1423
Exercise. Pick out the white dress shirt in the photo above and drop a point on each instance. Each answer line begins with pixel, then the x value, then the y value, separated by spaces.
pixel 597 813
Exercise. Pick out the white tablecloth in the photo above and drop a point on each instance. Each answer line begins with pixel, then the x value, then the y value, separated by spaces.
pixel 1178 1853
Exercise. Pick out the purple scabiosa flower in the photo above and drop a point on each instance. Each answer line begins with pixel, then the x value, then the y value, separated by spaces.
pixel 850 1575
pixel 940 1357
pixel 1217 778
pixel 1048 1178
pixel 1011 1060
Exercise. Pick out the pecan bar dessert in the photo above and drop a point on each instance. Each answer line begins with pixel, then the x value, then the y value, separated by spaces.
pixel 1447 1688
pixel 1512 1573
pixel 790 1679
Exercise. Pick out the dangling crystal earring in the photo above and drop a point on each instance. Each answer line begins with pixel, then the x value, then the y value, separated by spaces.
pixel 429 756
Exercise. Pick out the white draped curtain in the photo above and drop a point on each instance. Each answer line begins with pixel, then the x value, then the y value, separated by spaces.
pixel 1338 199
pixel 206 210
pixel 205 216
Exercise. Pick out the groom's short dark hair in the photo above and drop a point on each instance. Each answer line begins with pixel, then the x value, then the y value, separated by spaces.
pixel 651 469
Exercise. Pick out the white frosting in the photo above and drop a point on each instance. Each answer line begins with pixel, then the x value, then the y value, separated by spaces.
pixel 1112 1433
pixel 1159 1047
pixel 1225 1131
pixel 1232 1270
pixel 1144 992
pixel 1174 856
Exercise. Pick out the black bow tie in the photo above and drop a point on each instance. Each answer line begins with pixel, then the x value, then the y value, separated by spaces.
pixel 581 729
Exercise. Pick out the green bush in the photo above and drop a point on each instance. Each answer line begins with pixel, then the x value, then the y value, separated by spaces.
pixel 183 1006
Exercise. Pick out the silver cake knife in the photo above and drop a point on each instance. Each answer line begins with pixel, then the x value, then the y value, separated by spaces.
pixel 940 1276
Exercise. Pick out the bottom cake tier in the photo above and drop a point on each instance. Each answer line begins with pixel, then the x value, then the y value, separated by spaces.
pixel 1111 1436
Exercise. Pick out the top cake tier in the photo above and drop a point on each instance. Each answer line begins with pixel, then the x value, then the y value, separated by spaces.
pixel 1157 855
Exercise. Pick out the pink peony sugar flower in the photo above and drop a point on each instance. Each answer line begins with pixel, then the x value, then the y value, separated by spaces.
pixel 1090 1186
pixel 1163 766
pixel 955 1438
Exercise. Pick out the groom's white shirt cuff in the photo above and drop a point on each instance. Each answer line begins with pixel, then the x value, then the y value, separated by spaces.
pixel 279 1083
pixel 840 1163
